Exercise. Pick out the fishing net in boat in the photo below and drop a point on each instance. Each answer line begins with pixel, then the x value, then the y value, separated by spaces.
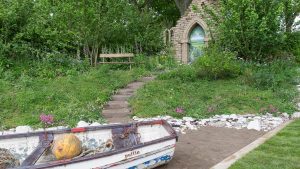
pixel 104 147
pixel 7 160
pixel 126 137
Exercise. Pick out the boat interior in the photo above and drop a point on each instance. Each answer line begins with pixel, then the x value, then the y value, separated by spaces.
pixel 35 148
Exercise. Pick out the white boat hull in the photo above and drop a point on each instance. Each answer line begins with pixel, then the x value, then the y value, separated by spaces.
pixel 156 146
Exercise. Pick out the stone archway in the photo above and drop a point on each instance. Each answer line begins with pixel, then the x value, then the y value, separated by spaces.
pixel 185 43
pixel 183 28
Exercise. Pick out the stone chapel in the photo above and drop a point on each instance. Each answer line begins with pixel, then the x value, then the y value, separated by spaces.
pixel 190 33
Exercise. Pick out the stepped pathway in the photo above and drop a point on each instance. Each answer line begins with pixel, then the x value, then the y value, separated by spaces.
pixel 118 110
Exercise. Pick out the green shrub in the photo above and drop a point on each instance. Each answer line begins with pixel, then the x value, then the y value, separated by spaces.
pixel 271 75
pixel 164 61
pixel 216 64
pixel 251 28
pixel 54 65
pixel 183 73
pixel 292 40
pixel 293 44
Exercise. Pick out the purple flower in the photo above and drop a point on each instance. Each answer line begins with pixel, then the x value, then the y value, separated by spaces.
pixel 179 110
pixel 46 119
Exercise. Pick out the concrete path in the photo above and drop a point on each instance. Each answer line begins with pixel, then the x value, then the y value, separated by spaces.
pixel 208 146
pixel 118 110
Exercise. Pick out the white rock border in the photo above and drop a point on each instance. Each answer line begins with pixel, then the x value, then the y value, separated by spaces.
pixel 265 122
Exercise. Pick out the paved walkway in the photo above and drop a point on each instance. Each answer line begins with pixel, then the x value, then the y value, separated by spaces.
pixel 118 110
pixel 207 146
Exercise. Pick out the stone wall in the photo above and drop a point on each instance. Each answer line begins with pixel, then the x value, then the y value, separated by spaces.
pixel 180 33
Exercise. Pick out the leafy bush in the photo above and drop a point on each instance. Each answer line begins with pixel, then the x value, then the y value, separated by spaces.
pixel 216 64
pixel 271 75
pixel 251 28
pixel 48 67
pixel 183 73
pixel 164 61
pixel 293 44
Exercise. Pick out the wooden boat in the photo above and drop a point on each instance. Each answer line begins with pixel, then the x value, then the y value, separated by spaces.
pixel 136 146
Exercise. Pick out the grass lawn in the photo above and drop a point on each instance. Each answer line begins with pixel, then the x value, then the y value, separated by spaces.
pixel 69 99
pixel 202 98
pixel 280 152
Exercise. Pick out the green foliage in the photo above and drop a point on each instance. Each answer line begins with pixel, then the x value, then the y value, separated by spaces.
pixel 271 75
pixel 34 29
pixel 162 62
pixel 291 10
pixel 183 73
pixel 51 66
pixel 166 11
pixel 251 28
pixel 216 64
pixel 293 44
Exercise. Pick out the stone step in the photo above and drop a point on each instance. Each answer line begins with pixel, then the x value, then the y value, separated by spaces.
pixel 119 120
pixel 147 79
pixel 116 113
pixel 116 105
pixel 126 91
pixel 135 85
pixel 120 97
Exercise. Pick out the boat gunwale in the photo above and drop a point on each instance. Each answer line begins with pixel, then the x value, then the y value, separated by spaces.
pixel 166 125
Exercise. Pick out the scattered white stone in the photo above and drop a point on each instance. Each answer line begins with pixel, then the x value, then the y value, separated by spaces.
pixel 39 129
pixel 62 127
pixel 254 125
pixel 83 124
pixel 23 129
pixel 296 115
pixel 188 119
pixel 285 115
pixel 223 120
pixel 51 129
pixel 225 116
pixel 190 126
pixel 95 124
pixel 8 132
pixel 264 122
pixel 233 116
pixel 242 120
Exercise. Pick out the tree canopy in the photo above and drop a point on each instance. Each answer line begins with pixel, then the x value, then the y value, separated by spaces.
pixel 36 28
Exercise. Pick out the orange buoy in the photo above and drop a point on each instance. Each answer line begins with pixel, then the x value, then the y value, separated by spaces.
pixel 66 147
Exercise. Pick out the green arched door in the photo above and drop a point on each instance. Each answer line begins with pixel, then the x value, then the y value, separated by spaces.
pixel 196 41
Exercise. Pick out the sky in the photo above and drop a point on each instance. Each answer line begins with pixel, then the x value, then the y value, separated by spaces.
pixel 297 20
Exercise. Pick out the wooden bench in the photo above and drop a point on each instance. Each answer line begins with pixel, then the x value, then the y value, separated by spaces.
pixel 117 55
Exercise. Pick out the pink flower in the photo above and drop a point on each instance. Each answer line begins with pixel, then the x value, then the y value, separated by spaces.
pixel 179 110
pixel 46 119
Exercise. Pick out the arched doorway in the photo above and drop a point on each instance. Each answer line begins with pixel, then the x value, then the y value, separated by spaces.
pixel 196 43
